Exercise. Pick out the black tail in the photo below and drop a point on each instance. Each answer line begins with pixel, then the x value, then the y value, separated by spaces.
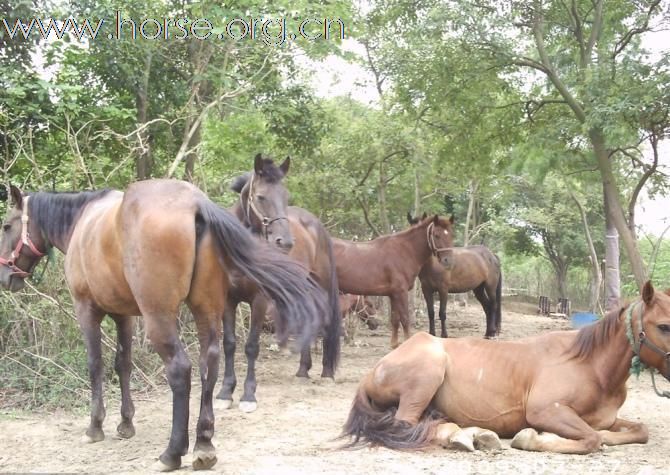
pixel 368 425
pixel 333 327
pixel 298 297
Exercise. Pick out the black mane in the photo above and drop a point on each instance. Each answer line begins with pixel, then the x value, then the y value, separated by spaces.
pixel 238 182
pixel 270 173
pixel 56 213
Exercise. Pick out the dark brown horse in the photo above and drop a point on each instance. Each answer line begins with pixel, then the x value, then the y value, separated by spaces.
pixel 568 384
pixel 263 207
pixel 144 252
pixel 473 268
pixel 389 264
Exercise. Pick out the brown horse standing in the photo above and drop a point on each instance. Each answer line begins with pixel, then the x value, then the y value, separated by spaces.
pixel 144 252
pixel 473 268
pixel 569 384
pixel 263 207
pixel 389 264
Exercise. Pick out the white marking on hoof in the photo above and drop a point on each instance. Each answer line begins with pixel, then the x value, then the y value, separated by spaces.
pixel 461 440
pixel 203 460
pixel 524 439
pixel 159 466
pixel 248 406
pixel 487 440
pixel 223 404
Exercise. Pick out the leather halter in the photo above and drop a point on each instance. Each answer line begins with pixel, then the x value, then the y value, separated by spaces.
pixel 642 340
pixel 431 241
pixel 23 241
pixel 265 221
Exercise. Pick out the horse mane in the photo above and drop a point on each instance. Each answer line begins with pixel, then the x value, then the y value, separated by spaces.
pixel 270 173
pixel 56 213
pixel 593 336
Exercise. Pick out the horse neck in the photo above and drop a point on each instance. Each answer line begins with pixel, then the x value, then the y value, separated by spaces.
pixel 416 240
pixel 57 214
pixel 613 362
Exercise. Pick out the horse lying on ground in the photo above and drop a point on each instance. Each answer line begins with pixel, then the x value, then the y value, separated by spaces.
pixel 465 392
pixel 389 265
pixel 263 208
pixel 473 268
pixel 144 252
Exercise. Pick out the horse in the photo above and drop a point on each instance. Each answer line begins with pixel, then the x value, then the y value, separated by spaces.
pixel 388 265
pixel 143 252
pixel 361 307
pixel 263 208
pixel 568 384
pixel 473 268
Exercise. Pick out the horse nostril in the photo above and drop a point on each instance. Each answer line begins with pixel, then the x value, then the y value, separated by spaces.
pixel 286 244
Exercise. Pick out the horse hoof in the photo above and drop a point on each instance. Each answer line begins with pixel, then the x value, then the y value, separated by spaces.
pixel 461 441
pixel 204 460
pixel 93 437
pixel 125 430
pixel 487 440
pixel 159 466
pixel 248 406
pixel 524 439
pixel 223 404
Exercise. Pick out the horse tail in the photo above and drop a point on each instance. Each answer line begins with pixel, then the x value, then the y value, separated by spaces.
pixel 368 425
pixel 498 302
pixel 333 327
pixel 298 297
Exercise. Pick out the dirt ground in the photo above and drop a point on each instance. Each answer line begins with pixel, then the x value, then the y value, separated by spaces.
pixel 294 428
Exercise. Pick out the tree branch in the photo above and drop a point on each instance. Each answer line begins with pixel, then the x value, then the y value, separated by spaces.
pixel 630 34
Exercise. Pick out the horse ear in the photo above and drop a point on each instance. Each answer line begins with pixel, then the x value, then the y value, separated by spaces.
pixel 425 215
pixel 648 293
pixel 436 219
pixel 258 164
pixel 285 165
pixel 17 196
pixel 452 219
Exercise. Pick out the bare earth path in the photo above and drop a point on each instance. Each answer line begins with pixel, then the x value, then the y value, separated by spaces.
pixel 294 428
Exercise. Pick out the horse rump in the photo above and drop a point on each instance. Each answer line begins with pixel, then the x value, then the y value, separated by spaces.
pixel 368 425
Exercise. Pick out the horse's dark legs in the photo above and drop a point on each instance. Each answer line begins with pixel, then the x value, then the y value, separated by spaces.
pixel 305 363
pixel 123 365
pixel 430 307
pixel 204 454
pixel 487 304
pixel 399 316
pixel 89 319
pixel 444 296
pixel 259 308
pixel 178 370
pixel 229 379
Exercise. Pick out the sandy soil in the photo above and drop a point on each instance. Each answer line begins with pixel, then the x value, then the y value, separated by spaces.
pixel 294 428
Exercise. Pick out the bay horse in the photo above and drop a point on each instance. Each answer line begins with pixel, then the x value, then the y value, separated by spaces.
pixel 473 268
pixel 568 384
pixel 144 252
pixel 388 265
pixel 263 208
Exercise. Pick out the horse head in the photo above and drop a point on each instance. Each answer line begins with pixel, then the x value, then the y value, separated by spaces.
pixel 440 236
pixel 653 329
pixel 264 199
pixel 19 254
pixel 416 220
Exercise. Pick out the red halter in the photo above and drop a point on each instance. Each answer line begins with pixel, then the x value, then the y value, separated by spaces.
pixel 25 240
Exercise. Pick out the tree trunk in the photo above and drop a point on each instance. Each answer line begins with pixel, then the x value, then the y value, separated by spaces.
pixel 562 280
pixel 189 168
pixel 615 212
pixel 612 278
pixel 596 274
pixel 383 211
pixel 144 163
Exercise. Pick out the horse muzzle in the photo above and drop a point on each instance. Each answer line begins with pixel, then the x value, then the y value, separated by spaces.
pixel 11 282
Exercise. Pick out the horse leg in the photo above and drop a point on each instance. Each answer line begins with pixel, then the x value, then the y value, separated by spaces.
pixel 162 333
pixel 89 318
pixel 483 296
pixel 430 307
pixel 259 308
pixel 399 316
pixel 443 312
pixel 225 396
pixel 125 327
pixel 625 432
pixel 451 436
pixel 566 432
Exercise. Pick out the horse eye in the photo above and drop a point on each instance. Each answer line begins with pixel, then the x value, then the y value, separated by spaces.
pixel 6 227
pixel 260 197
pixel 664 328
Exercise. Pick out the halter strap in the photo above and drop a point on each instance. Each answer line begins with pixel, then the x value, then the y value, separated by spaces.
pixel 265 221
pixel 23 241
pixel 431 241
pixel 637 365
